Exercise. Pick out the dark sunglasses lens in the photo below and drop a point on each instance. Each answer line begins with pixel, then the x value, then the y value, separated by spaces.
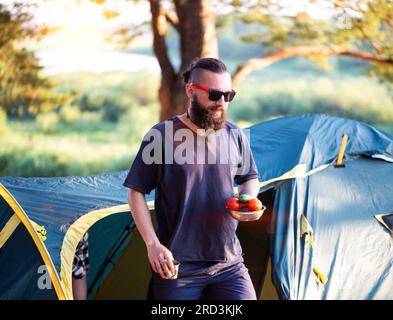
pixel 229 96
pixel 214 95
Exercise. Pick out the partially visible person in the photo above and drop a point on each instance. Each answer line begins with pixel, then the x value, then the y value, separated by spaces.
pixel 80 268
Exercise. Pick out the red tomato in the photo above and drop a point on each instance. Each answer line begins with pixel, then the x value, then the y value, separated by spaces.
pixel 254 205
pixel 233 204
pixel 244 206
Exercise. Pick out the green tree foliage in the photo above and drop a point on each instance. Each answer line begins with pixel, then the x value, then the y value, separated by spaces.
pixel 23 91
pixel 3 122
pixel 360 29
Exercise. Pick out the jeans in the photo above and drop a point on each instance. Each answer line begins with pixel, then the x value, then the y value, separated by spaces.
pixel 206 280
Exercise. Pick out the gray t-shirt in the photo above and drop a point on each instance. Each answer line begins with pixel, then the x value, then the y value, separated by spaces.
pixel 193 176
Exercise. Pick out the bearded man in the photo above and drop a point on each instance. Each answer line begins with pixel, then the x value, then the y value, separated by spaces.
pixel 192 161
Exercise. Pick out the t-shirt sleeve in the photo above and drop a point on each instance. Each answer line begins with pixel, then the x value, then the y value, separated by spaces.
pixel 247 169
pixel 145 172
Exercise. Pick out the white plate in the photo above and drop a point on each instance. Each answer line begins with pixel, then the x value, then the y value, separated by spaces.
pixel 247 215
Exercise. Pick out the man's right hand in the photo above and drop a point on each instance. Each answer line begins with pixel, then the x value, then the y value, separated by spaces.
pixel 161 260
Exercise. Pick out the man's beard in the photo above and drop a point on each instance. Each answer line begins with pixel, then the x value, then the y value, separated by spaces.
pixel 204 119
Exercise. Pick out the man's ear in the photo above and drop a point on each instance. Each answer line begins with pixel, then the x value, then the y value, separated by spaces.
pixel 189 90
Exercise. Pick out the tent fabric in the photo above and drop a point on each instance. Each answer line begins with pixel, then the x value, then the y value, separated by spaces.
pixel 312 140
pixel 7 213
pixel 8 221
pixel 350 247
pixel 113 227
pixel 28 224
pixel 67 207
pixel 20 273
pixel 8 229
pixel 119 230
pixel 346 245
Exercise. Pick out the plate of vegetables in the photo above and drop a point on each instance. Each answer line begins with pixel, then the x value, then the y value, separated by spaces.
pixel 245 208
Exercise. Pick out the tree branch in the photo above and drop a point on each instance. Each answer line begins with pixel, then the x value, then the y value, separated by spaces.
pixel 159 31
pixel 172 19
pixel 388 22
pixel 266 60
pixel 376 46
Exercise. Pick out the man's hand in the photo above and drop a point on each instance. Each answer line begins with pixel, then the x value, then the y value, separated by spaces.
pixel 161 260
pixel 250 187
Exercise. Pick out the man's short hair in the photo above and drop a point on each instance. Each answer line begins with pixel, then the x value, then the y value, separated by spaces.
pixel 210 64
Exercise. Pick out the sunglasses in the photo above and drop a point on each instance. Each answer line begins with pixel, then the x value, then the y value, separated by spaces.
pixel 215 95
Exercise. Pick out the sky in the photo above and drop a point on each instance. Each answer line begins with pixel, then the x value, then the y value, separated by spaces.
pixel 80 43
pixel 82 23
pixel 80 40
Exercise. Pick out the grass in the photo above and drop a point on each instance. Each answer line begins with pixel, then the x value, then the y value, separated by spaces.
pixel 54 156
pixel 75 150
pixel 91 144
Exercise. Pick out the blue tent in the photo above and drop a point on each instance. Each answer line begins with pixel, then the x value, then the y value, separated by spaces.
pixel 327 242
pixel 321 229
pixel 43 219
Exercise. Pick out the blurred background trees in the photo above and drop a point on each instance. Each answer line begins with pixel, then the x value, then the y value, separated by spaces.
pixel 359 29
pixel 355 29
pixel 322 56
pixel 23 90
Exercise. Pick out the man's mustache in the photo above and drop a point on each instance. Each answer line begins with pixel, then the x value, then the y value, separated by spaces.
pixel 214 108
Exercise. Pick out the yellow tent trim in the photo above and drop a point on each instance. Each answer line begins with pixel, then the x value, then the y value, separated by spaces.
pixel 37 240
pixel 299 171
pixel 74 235
pixel 9 229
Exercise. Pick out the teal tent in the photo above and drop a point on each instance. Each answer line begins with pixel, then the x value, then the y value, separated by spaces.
pixel 43 219
pixel 319 239
pixel 326 240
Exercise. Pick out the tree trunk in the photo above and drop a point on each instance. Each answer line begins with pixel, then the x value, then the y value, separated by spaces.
pixel 172 98
pixel 195 24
